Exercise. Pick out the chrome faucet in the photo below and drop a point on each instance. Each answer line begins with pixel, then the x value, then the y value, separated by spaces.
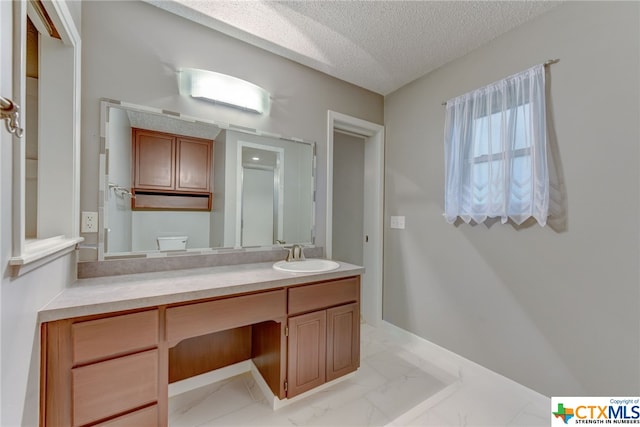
pixel 296 253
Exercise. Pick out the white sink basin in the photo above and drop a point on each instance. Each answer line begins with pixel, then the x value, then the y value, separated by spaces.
pixel 306 266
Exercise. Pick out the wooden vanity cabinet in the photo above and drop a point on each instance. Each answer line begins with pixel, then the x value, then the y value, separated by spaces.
pixel 101 371
pixel 171 171
pixel 324 341
pixel 114 369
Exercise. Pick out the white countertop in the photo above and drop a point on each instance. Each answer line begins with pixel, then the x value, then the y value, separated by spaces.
pixel 133 291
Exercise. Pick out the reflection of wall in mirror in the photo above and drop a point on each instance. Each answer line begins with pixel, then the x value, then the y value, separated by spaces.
pixel 217 229
pixel 298 186
pixel 118 237
pixel 257 207
pixel 148 225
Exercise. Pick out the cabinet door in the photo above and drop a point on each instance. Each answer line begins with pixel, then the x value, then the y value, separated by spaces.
pixel 154 160
pixel 194 165
pixel 343 340
pixel 307 352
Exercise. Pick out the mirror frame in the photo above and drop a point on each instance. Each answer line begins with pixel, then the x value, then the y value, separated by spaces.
pixel 106 104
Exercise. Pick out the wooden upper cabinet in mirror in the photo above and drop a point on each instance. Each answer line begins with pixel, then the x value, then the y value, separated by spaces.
pixel 170 172
pixel 154 160
pixel 193 160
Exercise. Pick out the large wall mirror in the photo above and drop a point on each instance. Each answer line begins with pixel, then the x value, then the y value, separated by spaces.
pixel 262 185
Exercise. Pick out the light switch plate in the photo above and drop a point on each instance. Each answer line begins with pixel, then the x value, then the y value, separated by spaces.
pixel 397 222
pixel 89 222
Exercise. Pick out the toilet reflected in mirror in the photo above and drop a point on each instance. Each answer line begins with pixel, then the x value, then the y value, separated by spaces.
pixel 172 243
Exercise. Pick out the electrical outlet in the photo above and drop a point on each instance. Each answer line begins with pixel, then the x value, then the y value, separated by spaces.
pixel 397 222
pixel 89 222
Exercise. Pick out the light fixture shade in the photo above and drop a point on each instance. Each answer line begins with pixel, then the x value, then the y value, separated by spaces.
pixel 223 89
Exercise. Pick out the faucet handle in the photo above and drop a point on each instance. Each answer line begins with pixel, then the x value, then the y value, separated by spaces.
pixel 295 253
pixel 300 253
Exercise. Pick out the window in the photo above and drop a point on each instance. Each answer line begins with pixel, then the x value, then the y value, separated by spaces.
pixel 46 167
pixel 495 152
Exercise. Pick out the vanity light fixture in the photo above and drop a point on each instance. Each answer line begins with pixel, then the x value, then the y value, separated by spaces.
pixel 223 89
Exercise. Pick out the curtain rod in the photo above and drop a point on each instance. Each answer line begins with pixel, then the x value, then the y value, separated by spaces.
pixel 547 62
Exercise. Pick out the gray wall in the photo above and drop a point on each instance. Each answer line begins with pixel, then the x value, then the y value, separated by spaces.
pixel 556 311
pixel 348 198
pixel 132 50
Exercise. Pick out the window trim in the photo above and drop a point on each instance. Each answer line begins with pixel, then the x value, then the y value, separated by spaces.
pixel 487 158
pixel 28 254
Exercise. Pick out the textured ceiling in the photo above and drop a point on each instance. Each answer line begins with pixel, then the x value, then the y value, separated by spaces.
pixel 378 45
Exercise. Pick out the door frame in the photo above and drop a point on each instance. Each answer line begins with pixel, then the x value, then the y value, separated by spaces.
pixel 373 134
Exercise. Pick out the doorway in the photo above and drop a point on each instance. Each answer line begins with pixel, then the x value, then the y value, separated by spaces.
pixel 260 194
pixel 371 236
pixel 348 197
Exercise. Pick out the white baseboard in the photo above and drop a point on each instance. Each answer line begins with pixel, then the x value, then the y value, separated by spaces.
pixel 227 372
pixel 276 403
pixel 445 359
pixel 210 377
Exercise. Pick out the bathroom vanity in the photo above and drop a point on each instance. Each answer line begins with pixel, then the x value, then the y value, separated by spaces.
pixel 111 346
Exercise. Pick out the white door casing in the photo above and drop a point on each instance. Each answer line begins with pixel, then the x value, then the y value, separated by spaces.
pixel 371 286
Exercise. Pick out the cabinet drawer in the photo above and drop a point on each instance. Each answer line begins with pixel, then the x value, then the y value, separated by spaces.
pixel 192 320
pixel 114 336
pixel 143 417
pixel 116 386
pixel 323 295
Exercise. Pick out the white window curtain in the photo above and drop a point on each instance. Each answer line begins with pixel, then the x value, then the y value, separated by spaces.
pixel 496 151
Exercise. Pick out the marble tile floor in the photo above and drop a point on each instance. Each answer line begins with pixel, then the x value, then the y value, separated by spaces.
pixel 402 381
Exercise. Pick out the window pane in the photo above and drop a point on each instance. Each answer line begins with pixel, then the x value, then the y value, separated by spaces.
pixel 487 178
pixel 521 116
pixel 521 170
pixel 496 133
pixel 520 188
pixel 481 137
